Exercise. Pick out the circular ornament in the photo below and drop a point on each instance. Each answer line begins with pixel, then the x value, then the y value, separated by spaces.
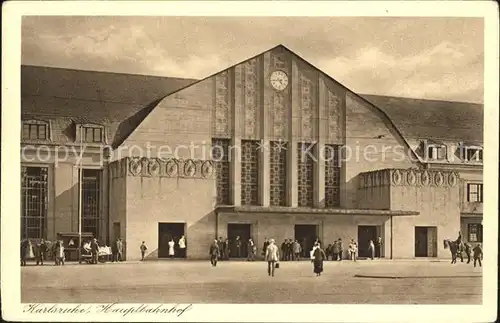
pixel 396 177
pixel 207 169
pixel 426 179
pixel 189 168
pixel 153 167
pixel 135 166
pixel 412 177
pixel 438 179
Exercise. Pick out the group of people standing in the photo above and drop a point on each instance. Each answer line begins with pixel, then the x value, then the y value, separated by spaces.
pixel 40 251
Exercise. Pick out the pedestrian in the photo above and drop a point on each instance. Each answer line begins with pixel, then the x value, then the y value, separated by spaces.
pixel 119 247
pixel 478 254
pixel 214 253
pixel 60 253
pixel 24 249
pixel 42 252
pixel 171 246
pixel 250 249
pixel 94 247
pixel 114 250
pixel 371 249
pixel 143 249
pixel 468 249
pixel 318 257
pixel 297 250
pixel 341 249
pixel 352 250
pixel 289 250
pixel 378 248
pixel 227 250
pixel 238 247
pixel 264 247
pixel 335 250
pixel 272 257
pixel 182 247
pixel 311 253
pixel 283 249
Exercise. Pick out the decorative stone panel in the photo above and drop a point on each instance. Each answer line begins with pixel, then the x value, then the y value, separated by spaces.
pixel 332 177
pixel 334 118
pixel 305 176
pixel 306 108
pixel 251 98
pixel 170 168
pixel 222 109
pixel 279 106
pixel 220 157
pixel 408 177
pixel 249 172
pixel 277 172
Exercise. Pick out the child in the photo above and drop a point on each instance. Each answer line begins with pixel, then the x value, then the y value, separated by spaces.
pixel 478 254
pixel 143 250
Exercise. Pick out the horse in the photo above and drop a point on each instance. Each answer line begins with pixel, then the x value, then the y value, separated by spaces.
pixel 455 249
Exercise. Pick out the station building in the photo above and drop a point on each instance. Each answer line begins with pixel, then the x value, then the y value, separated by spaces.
pixel 271 147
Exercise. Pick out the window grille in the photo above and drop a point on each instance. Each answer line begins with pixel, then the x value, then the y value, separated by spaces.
pixel 34 201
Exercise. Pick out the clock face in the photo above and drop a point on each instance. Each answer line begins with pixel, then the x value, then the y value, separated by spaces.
pixel 279 80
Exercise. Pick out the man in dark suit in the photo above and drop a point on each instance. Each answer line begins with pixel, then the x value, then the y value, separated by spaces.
pixel 378 247
pixel 283 249
pixel 264 248
pixel 238 247
pixel 42 251
pixel 220 244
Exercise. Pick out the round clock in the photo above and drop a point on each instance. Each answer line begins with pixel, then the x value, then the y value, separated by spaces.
pixel 279 80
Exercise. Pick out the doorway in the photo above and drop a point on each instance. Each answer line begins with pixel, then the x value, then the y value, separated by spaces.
pixel 365 234
pixel 116 231
pixel 306 234
pixel 238 247
pixel 166 232
pixel 425 241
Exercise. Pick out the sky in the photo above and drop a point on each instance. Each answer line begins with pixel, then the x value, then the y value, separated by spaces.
pixel 429 58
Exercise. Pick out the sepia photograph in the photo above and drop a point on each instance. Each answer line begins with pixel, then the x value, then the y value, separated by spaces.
pixel 174 160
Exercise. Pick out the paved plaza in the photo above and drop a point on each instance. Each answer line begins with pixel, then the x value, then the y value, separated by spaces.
pixel 362 282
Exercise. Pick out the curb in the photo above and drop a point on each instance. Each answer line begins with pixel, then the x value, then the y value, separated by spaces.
pixel 407 277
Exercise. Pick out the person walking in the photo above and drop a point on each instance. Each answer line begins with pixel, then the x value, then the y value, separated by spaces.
pixel 250 245
pixel 341 249
pixel 59 253
pixel 182 247
pixel 171 250
pixel 264 247
pixel 238 247
pixel 119 247
pixel 220 244
pixel 24 254
pixel 335 251
pixel 318 257
pixel 297 250
pixel 143 249
pixel 94 247
pixel 371 249
pixel 41 252
pixel 478 254
pixel 227 250
pixel 378 248
pixel 214 253
pixel 114 250
pixel 352 250
pixel 272 257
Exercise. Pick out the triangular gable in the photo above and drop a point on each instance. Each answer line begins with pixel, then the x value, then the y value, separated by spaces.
pixel 206 109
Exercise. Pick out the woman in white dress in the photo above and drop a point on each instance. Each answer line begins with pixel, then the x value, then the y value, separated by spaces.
pixel 171 251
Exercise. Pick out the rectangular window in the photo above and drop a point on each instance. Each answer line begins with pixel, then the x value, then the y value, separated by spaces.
pixel 34 199
pixel 249 172
pixel 332 175
pixel 35 131
pixel 277 172
pixel 305 182
pixel 436 152
pixel 475 232
pixel 92 134
pixel 221 158
pixel 91 191
pixel 474 154
pixel 474 192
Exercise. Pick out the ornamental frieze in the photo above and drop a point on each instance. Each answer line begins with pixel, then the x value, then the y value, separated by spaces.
pixel 408 177
pixel 159 167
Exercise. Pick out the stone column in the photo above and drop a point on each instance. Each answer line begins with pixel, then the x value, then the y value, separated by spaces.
pixel 293 119
pixel 235 149
pixel 264 172
pixel 319 170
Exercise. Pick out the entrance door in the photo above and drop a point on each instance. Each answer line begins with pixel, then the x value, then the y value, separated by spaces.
pixel 365 234
pixel 305 234
pixel 421 242
pixel 243 232
pixel 166 232
pixel 425 241
pixel 116 230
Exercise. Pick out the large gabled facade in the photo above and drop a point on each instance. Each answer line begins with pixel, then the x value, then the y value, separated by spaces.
pixel 242 153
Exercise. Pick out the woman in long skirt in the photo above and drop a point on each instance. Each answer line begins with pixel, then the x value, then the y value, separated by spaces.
pixel 171 250
pixel 319 257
